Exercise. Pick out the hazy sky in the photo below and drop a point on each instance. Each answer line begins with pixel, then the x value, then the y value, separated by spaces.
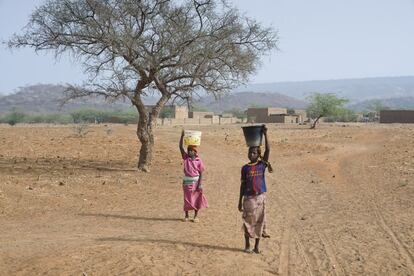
pixel 319 39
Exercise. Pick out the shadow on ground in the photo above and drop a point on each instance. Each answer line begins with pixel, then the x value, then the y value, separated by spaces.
pixel 62 164
pixel 127 217
pixel 170 242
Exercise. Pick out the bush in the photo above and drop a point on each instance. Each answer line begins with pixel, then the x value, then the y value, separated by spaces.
pixel 98 116
pixel 87 116
pixel 343 115
pixel 13 118
pixel 166 112
pixel 238 113
pixel 77 116
pixel 49 119
pixel 81 129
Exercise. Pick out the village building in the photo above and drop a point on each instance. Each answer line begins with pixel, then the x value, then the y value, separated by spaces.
pixel 200 114
pixel 179 112
pixel 275 115
pixel 396 116
pixel 179 115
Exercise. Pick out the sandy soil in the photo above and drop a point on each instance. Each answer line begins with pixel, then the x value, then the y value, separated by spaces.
pixel 340 202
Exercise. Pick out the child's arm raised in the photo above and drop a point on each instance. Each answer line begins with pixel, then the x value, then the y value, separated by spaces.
pixel 183 153
pixel 267 145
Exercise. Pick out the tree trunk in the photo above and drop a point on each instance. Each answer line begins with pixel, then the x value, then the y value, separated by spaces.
pixel 315 122
pixel 146 123
pixel 146 137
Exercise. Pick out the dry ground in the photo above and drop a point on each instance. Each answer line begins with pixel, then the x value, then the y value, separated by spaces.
pixel 340 202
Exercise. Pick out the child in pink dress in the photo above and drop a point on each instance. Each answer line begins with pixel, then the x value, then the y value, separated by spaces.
pixel 194 198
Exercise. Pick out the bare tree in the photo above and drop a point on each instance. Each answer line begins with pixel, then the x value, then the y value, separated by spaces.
pixel 170 48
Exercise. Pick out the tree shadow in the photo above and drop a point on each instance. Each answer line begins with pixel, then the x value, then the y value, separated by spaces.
pixel 170 242
pixel 127 217
pixel 63 164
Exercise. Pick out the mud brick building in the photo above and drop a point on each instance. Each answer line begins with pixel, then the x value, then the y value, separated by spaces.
pixel 397 116
pixel 275 115
pixel 200 114
pixel 180 112
pixel 179 115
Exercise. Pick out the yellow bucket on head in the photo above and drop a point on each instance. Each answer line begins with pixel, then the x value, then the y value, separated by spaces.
pixel 192 137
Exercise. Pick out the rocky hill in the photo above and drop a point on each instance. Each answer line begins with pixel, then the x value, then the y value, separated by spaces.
pixel 46 98
pixel 393 92
pixel 391 103
pixel 355 90
pixel 244 100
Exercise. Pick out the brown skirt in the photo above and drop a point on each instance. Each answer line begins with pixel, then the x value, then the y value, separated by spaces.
pixel 254 215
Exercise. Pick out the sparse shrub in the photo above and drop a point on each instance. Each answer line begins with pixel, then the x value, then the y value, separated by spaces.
pixel 290 111
pixel 343 115
pixel 81 129
pixel 13 118
pixel 109 131
pixel 238 113
pixel 49 119
pixel 166 112
pixel 87 115
pixel 78 117
pixel 98 116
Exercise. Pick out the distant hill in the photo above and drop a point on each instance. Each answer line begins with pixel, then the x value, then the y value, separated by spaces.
pixel 391 103
pixel 244 100
pixel 353 89
pixel 394 92
pixel 46 98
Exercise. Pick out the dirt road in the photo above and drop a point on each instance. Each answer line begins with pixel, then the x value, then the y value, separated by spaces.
pixel 340 202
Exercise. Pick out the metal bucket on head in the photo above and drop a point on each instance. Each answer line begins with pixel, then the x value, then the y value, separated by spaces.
pixel 253 135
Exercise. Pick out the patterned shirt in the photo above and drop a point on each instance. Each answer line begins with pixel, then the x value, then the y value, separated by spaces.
pixel 253 176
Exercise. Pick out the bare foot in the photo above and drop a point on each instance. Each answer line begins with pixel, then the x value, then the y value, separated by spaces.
pixel 257 251
pixel 248 251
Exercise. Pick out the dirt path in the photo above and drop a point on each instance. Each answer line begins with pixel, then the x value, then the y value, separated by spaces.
pixel 333 210
pixel 339 203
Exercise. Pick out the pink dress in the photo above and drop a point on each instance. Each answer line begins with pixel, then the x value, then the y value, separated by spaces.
pixel 194 198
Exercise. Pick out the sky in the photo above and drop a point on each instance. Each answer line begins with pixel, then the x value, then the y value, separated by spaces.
pixel 318 40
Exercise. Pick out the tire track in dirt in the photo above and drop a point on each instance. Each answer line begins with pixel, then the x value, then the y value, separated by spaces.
pixel 347 157
pixel 289 234
pixel 330 253
pixel 326 169
pixel 372 195
pixel 303 254
pixel 291 237
pixel 291 200
pixel 402 249
pixel 284 252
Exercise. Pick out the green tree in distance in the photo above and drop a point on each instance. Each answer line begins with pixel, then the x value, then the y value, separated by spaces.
pixel 324 104
pixel 14 117
pixel 377 106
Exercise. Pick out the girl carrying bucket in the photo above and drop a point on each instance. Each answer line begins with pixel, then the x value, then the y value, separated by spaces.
pixel 252 201
pixel 194 198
